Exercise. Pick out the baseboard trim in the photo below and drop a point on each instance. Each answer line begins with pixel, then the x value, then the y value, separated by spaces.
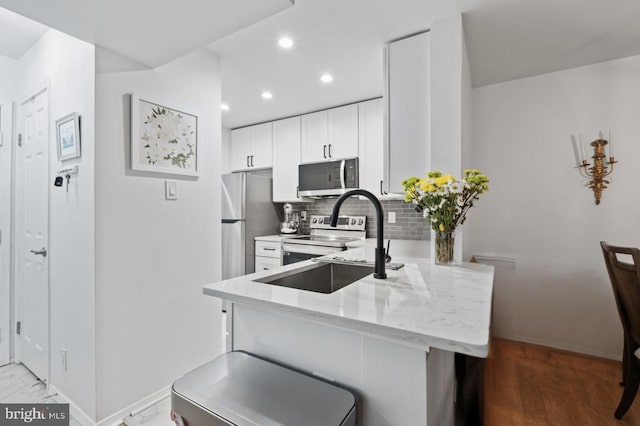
pixel 115 419
pixel 566 347
pixel 76 412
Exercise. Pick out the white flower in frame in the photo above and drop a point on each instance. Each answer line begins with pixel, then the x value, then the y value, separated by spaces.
pixel 163 139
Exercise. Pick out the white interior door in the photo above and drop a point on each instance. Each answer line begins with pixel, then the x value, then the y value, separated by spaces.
pixel 6 123
pixel 32 233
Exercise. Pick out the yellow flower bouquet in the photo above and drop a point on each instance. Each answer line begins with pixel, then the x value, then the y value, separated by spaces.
pixel 445 201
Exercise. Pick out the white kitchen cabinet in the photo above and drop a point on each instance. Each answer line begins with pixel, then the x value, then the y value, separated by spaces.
pixel 371 145
pixel 268 255
pixel 240 148
pixel 407 112
pixel 330 134
pixel 251 147
pixel 315 136
pixel 286 158
pixel 267 263
pixel 343 132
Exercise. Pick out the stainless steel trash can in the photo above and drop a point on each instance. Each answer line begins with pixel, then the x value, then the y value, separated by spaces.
pixel 239 388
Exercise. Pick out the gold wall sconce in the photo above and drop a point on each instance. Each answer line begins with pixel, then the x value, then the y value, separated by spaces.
pixel 601 168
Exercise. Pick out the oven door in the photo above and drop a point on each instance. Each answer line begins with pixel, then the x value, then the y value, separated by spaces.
pixel 292 253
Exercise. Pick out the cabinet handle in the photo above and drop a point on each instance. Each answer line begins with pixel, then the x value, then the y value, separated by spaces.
pixel 297 192
pixel 381 191
pixel 268 249
pixel 248 161
pixel 324 151
pixel 329 150
pixel 252 161
pixel 42 252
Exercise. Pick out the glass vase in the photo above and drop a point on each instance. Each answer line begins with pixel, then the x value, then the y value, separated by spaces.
pixel 444 248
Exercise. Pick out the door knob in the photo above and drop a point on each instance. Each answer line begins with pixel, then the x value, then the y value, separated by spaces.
pixel 42 252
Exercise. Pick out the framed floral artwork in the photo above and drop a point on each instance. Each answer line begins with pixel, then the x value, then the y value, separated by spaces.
pixel 163 139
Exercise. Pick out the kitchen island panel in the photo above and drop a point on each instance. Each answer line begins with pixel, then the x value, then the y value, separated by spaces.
pixel 390 379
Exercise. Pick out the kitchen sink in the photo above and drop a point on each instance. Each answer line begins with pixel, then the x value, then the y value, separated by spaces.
pixel 319 277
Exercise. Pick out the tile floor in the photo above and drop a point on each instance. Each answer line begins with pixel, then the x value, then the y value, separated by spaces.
pixel 17 384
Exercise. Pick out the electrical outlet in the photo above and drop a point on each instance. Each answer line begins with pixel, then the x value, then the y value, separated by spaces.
pixel 63 359
pixel 392 217
pixel 303 215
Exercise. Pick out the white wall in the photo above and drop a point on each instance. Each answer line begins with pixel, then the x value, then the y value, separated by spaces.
pixel 538 210
pixel 225 151
pixel 8 74
pixel 153 256
pixel 68 64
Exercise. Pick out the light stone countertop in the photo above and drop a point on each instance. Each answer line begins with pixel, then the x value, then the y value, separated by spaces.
pixel 421 305
pixel 276 238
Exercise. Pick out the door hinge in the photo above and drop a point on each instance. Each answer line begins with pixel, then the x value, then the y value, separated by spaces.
pixel 18 327
pixel 19 139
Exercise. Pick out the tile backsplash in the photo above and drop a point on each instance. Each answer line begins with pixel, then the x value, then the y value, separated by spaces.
pixel 410 225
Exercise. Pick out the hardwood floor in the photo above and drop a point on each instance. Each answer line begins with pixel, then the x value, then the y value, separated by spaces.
pixel 532 385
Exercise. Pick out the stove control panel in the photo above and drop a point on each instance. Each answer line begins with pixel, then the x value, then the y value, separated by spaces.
pixel 349 223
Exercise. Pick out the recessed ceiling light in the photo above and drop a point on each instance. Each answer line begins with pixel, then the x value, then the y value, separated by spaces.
pixel 326 78
pixel 285 42
pixel 224 107
pixel 267 95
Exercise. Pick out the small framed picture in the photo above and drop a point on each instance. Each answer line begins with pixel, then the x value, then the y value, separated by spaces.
pixel 163 139
pixel 68 135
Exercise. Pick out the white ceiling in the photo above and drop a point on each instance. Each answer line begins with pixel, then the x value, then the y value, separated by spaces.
pixel 510 39
pixel 18 34
pixel 342 37
pixel 149 31
pixel 506 39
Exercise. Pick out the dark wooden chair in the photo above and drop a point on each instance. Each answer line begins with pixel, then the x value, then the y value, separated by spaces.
pixel 625 280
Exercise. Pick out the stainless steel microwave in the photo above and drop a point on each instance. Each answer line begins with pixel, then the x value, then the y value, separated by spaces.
pixel 328 178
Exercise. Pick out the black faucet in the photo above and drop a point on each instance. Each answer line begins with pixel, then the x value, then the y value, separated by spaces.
pixel 379 270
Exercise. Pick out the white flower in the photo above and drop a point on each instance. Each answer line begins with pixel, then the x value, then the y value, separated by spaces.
pixel 168 139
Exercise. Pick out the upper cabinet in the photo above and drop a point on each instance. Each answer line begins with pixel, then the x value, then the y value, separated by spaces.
pixel 330 135
pixel 286 158
pixel 251 147
pixel 370 146
pixel 407 114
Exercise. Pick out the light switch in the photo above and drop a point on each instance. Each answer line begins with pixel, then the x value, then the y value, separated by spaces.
pixel 170 190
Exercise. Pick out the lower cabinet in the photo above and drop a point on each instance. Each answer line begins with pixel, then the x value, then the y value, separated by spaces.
pixel 266 263
pixel 268 255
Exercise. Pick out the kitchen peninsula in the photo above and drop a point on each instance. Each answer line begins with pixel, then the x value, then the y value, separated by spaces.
pixel 392 341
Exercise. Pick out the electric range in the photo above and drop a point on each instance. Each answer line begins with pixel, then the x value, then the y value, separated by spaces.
pixel 324 239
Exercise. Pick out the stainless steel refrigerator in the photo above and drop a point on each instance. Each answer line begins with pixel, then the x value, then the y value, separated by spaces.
pixel 247 212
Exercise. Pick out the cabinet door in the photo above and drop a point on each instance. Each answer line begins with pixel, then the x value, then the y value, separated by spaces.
pixel 260 155
pixel 314 137
pixel 286 158
pixel 343 132
pixel 408 114
pixel 370 146
pixel 267 263
pixel 240 147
